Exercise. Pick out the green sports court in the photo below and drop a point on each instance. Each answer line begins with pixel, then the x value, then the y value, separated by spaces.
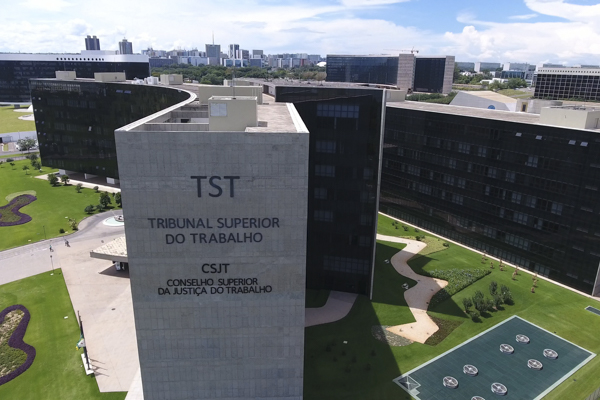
pixel 514 359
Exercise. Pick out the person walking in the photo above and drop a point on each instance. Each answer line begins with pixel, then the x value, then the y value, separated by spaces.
pixel 51 248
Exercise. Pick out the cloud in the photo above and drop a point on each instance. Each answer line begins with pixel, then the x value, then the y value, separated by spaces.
pixel 370 3
pixel 47 5
pixel 523 17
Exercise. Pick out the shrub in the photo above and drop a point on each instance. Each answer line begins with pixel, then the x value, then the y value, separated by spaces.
pixel 73 224
pixel 474 315
pixel 78 187
pixel 61 230
pixel 65 179
pixel 100 207
pixel 89 209
pixel 446 244
pixel 9 160
pixel 458 279
pixel 105 199
pixel 118 199
pixel 52 179
pixel 467 303
pixel 497 300
pixel 493 288
pixel 506 295
pixel 405 228
pixel 96 189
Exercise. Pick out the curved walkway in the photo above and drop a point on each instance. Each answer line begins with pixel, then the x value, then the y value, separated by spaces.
pixel 418 296
pixel 337 307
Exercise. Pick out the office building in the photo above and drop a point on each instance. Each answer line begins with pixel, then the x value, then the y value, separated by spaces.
pixel 433 74
pixel 213 52
pixel 257 53
pixel 465 66
pixel 572 83
pixel 511 66
pixel 362 69
pixel 125 47
pixel 487 66
pixel 92 43
pixel 17 69
pixel 521 186
pixel 406 71
pixel 234 51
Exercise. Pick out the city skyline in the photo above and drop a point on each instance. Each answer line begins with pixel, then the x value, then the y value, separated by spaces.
pixel 557 31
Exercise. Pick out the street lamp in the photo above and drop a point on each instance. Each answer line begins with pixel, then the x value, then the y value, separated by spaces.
pixel 52 262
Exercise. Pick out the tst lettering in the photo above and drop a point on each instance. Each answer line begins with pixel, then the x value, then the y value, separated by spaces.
pixel 215 183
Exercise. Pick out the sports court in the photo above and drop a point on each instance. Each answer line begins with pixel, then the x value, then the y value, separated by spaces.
pixel 514 359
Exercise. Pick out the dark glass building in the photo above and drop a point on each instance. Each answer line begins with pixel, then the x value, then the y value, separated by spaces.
pixel 430 74
pixel 344 163
pixel 565 84
pixel 17 69
pixel 363 69
pixel 495 181
pixel 76 120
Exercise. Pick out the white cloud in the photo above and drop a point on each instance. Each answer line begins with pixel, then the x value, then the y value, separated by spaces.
pixel 369 3
pixel 47 5
pixel 523 17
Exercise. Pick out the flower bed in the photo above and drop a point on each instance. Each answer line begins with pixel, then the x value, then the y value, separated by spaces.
pixel 10 214
pixel 458 279
pixel 16 341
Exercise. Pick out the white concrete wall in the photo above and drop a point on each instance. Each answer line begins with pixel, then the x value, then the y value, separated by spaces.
pixel 241 114
pixel 571 118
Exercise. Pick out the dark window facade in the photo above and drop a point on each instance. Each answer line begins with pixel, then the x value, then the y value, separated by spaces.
pixel 76 121
pixel 567 87
pixel 525 193
pixel 345 141
pixel 381 70
pixel 15 75
pixel 429 75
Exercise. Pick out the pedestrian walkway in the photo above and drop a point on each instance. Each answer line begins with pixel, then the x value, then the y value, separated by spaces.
pixel 87 184
pixel 101 294
pixel 418 296
pixel 337 307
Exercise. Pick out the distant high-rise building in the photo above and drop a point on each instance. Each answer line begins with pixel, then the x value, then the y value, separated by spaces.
pixel 125 47
pixel 92 43
pixel 213 50
pixel 245 54
pixel 234 50
pixel 257 53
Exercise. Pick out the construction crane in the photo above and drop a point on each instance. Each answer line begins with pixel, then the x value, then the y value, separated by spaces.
pixel 412 51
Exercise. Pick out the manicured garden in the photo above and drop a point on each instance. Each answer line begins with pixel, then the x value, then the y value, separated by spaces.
pixel 55 208
pixel 10 122
pixel 331 371
pixel 57 371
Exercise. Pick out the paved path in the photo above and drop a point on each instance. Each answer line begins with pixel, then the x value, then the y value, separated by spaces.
pixel 418 296
pixel 86 184
pixel 101 294
pixel 337 307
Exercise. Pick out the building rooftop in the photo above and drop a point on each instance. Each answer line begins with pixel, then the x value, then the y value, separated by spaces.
pixel 490 95
pixel 499 115
pixel 510 116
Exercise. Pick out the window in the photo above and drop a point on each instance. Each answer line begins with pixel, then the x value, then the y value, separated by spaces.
pixel 516 198
pixel 532 161
pixel 509 176
pixel 218 109
pixel 325 170
pixel 520 218
pixel 364 241
pixel 492 172
pixel 320 193
pixel 323 215
pixel 337 110
pixel 452 163
pixel 366 219
pixel 464 148
pixel 461 182
pixel 449 179
pixel 325 146
pixel 482 151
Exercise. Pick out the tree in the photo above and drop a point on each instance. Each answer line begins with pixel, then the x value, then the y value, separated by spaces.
pixel 118 199
pixel 78 187
pixel 12 164
pixel 33 158
pixel 514 83
pixel 105 199
pixel 100 207
pixel 65 179
pixel 1 162
pixel 96 189
pixel 73 223
pixel 26 144
pixel 36 165
pixel 493 288
pixel 89 209
pixel 26 168
pixel 52 179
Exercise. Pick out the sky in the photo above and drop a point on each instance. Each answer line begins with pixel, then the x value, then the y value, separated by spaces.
pixel 535 31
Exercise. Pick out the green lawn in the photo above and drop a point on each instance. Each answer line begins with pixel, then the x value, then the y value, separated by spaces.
pixel 10 122
pixel 551 307
pixel 517 94
pixel 57 372
pixel 50 210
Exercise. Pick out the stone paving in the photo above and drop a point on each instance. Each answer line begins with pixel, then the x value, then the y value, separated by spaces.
pixel 337 307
